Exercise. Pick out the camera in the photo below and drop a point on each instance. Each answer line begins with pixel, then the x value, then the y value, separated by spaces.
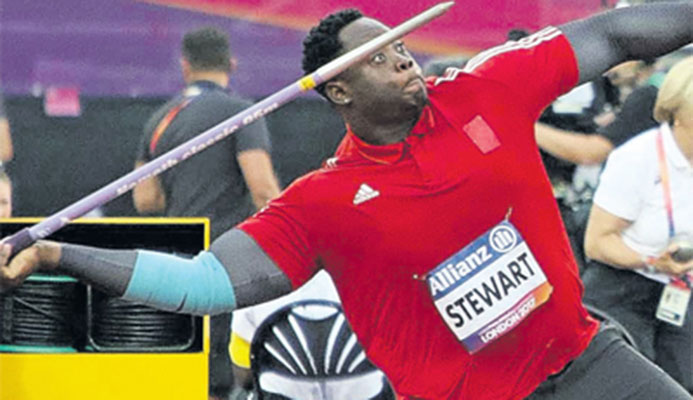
pixel 685 251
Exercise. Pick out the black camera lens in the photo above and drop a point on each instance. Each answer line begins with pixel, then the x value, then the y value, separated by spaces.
pixel 683 254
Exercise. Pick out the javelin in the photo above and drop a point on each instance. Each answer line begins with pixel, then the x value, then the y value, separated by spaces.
pixel 25 237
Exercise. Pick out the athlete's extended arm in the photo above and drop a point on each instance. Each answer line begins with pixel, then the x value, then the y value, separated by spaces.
pixel 638 32
pixel 234 273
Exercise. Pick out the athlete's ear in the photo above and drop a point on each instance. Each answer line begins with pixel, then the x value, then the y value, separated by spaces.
pixel 338 92
pixel 185 69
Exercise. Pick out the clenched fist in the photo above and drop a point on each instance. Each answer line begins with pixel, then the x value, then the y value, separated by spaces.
pixel 42 255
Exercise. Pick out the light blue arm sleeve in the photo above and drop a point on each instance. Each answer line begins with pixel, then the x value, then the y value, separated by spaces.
pixel 198 286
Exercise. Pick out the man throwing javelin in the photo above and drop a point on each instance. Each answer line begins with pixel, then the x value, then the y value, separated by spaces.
pixel 435 218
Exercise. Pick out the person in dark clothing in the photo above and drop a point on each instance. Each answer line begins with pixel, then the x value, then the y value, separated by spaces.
pixel 227 182
pixel 635 116
pixel 196 187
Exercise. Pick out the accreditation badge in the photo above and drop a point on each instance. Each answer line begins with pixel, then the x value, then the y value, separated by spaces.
pixel 674 303
pixel 489 287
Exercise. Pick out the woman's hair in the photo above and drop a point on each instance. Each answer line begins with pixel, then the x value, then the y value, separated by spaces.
pixel 675 92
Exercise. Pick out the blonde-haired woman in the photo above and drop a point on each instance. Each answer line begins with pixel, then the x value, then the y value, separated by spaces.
pixel 640 232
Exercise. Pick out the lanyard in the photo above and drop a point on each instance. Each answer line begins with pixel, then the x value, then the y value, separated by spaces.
pixel 666 183
pixel 687 279
pixel 168 118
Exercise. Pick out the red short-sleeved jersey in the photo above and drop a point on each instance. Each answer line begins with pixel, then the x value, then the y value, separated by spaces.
pixel 377 217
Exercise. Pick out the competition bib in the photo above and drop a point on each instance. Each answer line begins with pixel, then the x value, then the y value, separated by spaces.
pixel 486 289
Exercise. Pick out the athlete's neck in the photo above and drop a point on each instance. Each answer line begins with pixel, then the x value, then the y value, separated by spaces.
pixel 219 77
pixel 381 133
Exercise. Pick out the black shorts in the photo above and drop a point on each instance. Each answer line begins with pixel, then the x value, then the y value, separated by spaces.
pixel 610 369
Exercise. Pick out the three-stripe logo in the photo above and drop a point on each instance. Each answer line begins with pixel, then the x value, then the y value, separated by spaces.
pixel 365 193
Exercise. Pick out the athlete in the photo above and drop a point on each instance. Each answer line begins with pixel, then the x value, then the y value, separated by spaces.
pixel 435 219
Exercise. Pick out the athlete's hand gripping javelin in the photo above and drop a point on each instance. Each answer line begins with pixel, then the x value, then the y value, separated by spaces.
pixel 43 255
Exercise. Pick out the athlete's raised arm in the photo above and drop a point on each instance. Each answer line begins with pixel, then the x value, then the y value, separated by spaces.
pixel 645 31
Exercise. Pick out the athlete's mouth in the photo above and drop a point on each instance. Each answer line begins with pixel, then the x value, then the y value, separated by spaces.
pixel 415 84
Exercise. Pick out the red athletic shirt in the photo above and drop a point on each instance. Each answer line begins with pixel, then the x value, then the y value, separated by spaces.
pixel 376 217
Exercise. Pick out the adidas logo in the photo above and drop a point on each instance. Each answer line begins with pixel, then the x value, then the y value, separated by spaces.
pixel 364 194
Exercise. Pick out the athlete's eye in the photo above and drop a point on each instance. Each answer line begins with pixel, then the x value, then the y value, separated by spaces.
pixel 378 58
pixel 399 46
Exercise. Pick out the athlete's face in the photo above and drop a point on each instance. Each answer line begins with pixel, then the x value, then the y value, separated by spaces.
pixel 389 83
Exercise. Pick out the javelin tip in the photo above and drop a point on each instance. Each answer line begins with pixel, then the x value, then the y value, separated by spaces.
pixel 445 5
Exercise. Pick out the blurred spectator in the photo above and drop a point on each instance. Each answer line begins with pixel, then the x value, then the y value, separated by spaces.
pixel 642 209
pixel 634 116
pixel 630 75
pixel 227 183
pixel 6 150
pixel 584 110
pixel 5 195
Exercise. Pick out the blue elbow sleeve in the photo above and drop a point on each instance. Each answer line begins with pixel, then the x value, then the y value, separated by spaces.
pixel 198 286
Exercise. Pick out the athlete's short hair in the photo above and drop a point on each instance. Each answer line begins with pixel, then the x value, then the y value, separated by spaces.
pixel 207 49
pixel 322 44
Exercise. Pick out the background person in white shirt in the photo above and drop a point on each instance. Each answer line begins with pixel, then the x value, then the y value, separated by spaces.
pixel 630 236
